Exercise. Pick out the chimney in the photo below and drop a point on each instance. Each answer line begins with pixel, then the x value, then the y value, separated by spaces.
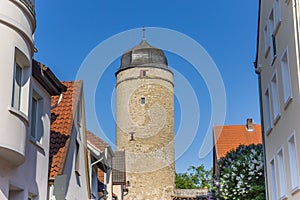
pixel 249 125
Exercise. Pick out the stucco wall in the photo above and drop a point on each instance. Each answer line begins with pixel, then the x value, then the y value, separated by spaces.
pixel 31 176
pixel 15 33
pixel 281 128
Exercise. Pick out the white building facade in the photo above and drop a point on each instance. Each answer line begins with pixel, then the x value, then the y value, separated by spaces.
pixel 26 88
pixel 277 66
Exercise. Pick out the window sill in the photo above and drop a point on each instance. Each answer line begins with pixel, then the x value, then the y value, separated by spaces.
pixel 288 102
pixel 36 143
pixel 273 60
pixel 278 23
pixel 276 119
pixel 295 189
pixel 269 131
pixel 19 114
pixel 283 197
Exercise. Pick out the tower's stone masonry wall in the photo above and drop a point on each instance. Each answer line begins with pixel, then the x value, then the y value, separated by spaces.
pixel 150 155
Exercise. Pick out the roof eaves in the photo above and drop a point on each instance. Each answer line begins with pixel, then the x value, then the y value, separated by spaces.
pixel 47 79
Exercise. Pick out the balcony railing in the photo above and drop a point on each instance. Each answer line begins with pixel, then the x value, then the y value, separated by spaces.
pixel 30 5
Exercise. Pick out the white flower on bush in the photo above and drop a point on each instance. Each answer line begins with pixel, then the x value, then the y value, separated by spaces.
pixel 240 170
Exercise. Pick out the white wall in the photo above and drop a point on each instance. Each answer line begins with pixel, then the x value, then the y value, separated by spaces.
pixel 18 34
pixel 31 176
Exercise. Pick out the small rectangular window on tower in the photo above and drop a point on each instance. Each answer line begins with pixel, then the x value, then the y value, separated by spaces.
pixel 143 73
pixel 143 100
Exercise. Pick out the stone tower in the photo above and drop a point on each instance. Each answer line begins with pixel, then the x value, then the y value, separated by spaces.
pixel 145 122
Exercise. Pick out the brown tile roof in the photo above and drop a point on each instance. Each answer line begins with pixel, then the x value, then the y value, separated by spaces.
pixel 95 141
pixel 228 138
pixel 61 127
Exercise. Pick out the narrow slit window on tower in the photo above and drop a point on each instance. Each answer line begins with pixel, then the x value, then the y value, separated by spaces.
pixel 143 73
pixel 143 100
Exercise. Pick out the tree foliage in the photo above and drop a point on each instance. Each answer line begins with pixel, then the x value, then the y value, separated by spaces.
pixel 194 178
pixel 241 174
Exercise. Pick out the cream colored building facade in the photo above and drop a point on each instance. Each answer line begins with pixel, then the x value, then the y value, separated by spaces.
pixel 277 66
pixel 145 123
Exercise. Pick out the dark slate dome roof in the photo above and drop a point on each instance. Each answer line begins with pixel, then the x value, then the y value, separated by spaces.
pixel 143 55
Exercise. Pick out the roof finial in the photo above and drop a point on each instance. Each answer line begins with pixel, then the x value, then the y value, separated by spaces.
pixel 144 33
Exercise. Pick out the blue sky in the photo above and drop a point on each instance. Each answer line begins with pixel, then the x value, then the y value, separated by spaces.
pixel 67 31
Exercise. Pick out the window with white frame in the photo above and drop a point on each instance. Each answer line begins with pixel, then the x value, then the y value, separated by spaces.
pixel 17 87
pixel 20 84
pixel 272 38
pixel 266 39
pixel 36 117
pixel 275 97
pixel 286 79
pixel 267 110
pixel 293 161
pixel 281 173
pixel 273 180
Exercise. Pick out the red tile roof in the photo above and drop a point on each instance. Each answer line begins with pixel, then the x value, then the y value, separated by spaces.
pixel 228 138
pixel 61 127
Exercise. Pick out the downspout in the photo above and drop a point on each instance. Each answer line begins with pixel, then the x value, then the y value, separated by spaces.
pixel 106 175
pixel 298 32
pixel 258 72
pixel 297 23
